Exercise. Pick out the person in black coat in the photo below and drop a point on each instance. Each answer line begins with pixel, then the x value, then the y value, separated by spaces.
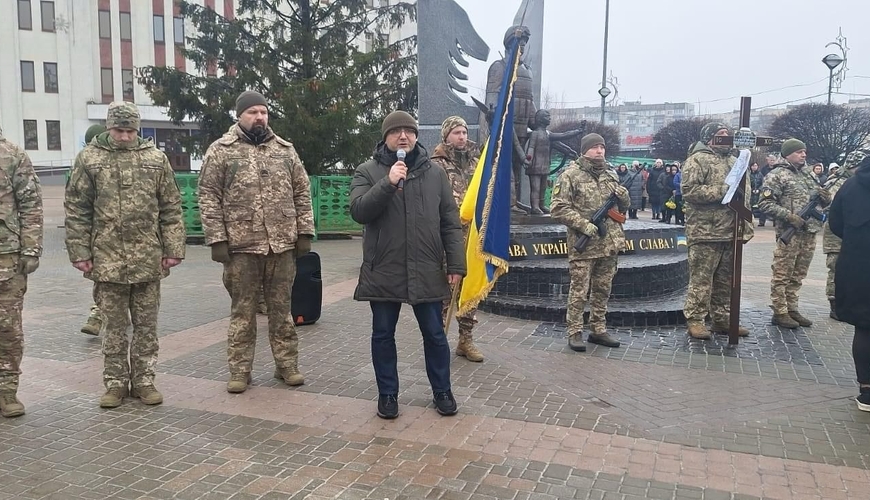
pixel 849 218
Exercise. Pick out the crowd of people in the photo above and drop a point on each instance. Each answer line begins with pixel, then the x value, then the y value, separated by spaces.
pixel 658 185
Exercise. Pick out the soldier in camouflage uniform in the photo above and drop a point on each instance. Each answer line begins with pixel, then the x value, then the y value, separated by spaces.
pixel 255 202
pixel 94 324
pixel 710 233
pixel 20 249
pixel 830 242
pixel 458 157
pixel 582 188
pixel 124 231
pixel 786 190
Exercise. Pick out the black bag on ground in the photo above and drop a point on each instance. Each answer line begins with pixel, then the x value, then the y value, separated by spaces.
pixel 307 296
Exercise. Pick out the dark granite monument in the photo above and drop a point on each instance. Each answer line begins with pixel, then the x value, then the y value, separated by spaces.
pixel 444 37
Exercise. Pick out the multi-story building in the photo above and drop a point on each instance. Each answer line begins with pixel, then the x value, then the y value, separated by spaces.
pixel 67 59
pixel 637 122
pixel 64 60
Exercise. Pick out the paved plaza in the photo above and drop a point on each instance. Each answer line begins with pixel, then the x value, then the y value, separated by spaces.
pixel 663 417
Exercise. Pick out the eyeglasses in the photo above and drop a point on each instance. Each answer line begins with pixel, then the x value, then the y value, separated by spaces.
pixel 403 130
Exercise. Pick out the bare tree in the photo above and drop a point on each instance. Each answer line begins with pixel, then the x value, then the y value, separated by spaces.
pixel 829 131
pixel 674 139
pixel 610 134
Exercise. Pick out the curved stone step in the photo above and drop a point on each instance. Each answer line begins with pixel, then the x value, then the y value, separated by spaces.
pixel 660 310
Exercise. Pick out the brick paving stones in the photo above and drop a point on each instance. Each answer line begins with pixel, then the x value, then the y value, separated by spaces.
pixel 662 417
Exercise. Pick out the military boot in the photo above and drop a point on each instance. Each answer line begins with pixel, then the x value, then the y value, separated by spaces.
pixel 290 374
pixel 467 349
pixel 148 395
pixel 724 329
pixel 785 321
pixel 698 331
pixel 603 338
pixel 93 325
pixel 238 382
pixel 9 405
pixel 113 397
pixel 833 314
pixel 800 318
pixel 575 342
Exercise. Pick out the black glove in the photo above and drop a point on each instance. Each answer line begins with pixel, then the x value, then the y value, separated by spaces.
pixel 303 245
pixel 220 252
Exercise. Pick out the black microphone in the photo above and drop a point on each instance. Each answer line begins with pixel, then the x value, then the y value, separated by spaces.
pixel 400 154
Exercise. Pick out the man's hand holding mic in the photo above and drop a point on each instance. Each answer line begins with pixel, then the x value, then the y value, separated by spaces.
pixel 399 170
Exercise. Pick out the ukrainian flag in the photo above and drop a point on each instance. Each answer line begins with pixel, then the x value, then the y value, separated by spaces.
pixel 486 206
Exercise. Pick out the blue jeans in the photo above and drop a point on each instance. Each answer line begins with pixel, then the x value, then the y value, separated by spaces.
pixel 436 350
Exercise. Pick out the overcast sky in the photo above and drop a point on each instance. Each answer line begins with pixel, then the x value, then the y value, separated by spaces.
pixel 680 50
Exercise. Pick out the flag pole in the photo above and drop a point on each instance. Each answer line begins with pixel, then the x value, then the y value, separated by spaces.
pixel 454 296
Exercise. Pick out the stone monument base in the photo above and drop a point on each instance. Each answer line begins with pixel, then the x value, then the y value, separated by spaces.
pixel 648 290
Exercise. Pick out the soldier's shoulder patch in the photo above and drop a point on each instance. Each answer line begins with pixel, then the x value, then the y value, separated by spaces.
pixel 766 192
pixel 557 188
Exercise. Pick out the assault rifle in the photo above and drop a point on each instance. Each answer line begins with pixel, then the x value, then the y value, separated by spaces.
pixel 599 218
pixel 809 211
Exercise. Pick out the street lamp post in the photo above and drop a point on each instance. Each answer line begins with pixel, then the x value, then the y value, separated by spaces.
pixel 831 61
pixel 604 91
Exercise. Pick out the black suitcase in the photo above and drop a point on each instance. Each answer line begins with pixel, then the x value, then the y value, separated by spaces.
pixel 307 297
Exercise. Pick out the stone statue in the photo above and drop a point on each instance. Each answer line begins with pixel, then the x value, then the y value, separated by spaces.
pixel 538 158
pixel 524 108
pixel 445 38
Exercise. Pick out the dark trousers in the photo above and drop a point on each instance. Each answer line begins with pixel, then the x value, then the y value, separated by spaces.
pixel 632 213
pixel 436 350
pixel 861 355
pixel 678 212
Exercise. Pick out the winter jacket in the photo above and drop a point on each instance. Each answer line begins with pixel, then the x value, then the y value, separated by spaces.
pixel 849 218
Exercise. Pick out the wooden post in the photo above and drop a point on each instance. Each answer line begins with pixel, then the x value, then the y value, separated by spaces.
pixel 741 213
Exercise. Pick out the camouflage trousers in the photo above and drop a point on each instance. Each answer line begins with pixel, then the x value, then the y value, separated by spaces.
pixel 243 277
pixel 121 304
pixel 790 266
pixel 711 267
pixel 465 321
pixel 831 262
pixel 590 279
pixel 12 289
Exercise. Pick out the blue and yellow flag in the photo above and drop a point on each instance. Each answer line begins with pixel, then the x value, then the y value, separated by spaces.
pixel 487 203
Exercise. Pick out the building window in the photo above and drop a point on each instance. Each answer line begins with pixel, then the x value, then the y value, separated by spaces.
pixel 105 24
pixel 25 20
pixel 178 30
pixel 127 84
pixel 106 83
pixel 31 135
pixel 126 31
pixel 52 134
pixel 28 81
pixel 159 35
pixel 49 73
pixel 47 10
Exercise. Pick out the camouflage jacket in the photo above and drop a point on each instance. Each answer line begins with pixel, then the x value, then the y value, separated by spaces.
pixel 459 166
pixel 830 242
pixel 786 190
pixel 702 181
pixel 579 192
pixel 256 198
pixel 123 211
pixel 20 203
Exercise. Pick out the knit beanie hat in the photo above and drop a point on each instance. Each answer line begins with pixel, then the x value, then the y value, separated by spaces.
pixel 398 119
pixel 247 99
pixel 93 131
pixel 122 115
pixel 792 146
pixel 451 123
pixel 710 130
pixel 590 140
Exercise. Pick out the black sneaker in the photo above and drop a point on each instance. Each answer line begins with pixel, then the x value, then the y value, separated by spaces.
pixel 864 399
pixel 445 404
pixel 388 406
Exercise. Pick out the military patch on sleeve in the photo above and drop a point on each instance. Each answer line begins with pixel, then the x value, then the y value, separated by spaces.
pixel 556 189
pixel 766 192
